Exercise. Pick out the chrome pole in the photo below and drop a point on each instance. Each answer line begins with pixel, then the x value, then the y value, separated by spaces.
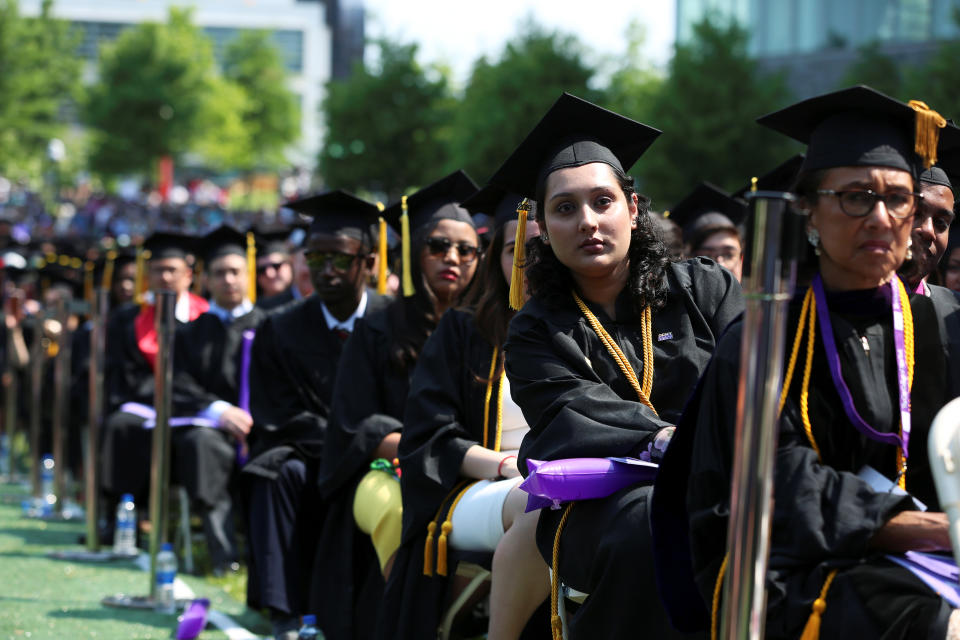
pixel 98 345
pixel 773 248
pixel 61 400
pixel 37 357
pixel 10 404
pixel 166 302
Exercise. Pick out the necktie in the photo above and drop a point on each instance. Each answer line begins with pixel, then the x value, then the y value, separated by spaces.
pixel 342 333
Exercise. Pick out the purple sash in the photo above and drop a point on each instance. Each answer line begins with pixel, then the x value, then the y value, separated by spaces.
pixel 150 417
pixel 937 572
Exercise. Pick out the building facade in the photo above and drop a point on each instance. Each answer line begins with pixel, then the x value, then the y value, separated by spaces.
pixel 318 40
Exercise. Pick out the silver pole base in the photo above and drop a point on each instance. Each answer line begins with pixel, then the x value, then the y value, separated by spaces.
pixel 82 555
pixel 122 601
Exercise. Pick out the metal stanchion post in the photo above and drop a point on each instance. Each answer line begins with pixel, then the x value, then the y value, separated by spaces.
pixel 61 400
pixel 10 405
pixel 98 336
pixel 773 251
pixel 160 461
pixel 37 357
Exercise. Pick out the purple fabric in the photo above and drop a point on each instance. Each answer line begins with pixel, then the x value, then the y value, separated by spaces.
pixel 150 416
pixel 194 619
pixel 552 483
pixel 937 572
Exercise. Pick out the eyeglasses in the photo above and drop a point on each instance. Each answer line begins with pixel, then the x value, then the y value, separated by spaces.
pixel 263 268
pixel 319 259
pixel 439 246
pixel 860 202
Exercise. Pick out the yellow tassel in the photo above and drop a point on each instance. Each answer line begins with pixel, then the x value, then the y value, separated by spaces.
pixel 382 254
pixel 753 183
pixel 88 281
pixel 519 257
pixel 812 629
pixel 927 135
pixel 197 287
pixel 555 623
pixel 405 248
pixel 666 214
pixel 445 530
pixel 428 550
pixel 107 280
pixel 251 266
pixel 139 279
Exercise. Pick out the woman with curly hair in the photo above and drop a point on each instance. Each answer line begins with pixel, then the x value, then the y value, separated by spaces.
pixel 602 358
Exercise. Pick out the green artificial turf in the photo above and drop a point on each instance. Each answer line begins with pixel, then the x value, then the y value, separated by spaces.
pixel 44 598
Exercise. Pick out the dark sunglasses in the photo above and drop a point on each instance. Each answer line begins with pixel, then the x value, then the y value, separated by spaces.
pixel 439 246
pixel 319 259
pixel 263 268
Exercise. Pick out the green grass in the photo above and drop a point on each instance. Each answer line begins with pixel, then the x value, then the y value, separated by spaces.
pixel 45 598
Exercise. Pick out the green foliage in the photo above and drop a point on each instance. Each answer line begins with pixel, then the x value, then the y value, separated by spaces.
pixel 876 69
pixel 635 84
pixel 386 125
pixel 153 96
pixel 938 81
pixel 505 98
pixel 706 109
pixel 270 113
pixel 39 79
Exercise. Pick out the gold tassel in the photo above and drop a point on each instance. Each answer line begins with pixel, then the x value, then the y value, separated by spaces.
pixel 405 248
pixel 812 629
pixel 88 282
pixel 927 135
pixel 519 257
pixel 666 214
pixel 381 253
pixel 64 261
pixel 140 280
pixel 428 550
pixel 197 287
pixel 251 266
pixel 106 282
pixel 556 624
pixel 445 530
pixel 753 184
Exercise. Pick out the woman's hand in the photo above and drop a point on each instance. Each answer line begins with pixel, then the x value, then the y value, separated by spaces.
pixel 913 531
pixel 508 467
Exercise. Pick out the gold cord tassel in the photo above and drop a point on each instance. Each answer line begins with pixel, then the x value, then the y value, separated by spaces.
pixel 88 281
pixel 812 629
pixel 445 529
pixel 753 184
pixel 106 281
pixel 927 136
pixel 556 624
pixel 251 266
pixel 519 257
pixel 405 248
pixel 140 280
pixel 427 548
pixel 197 287
pixel 381 254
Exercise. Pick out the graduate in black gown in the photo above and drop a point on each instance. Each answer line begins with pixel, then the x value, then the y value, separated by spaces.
pixel 211 361
pixel 274 268
pixel 294 365
pixel 454 435
pixel 369 399
pixel 831 527
pixel 599 269
pixel 130 357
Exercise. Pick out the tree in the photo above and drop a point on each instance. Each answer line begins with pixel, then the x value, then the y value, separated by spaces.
pixel 504 99
pixel 635 84
pixel 938 81
pixel 39 80
pixel 386 124
pixel 706 109
pixel 156 96
pixel 875 68
pixel 270 114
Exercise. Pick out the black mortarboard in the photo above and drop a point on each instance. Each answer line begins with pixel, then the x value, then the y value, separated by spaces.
pixel 707 204
pixel 168 244
pixel 859 126
pixel 496 202
pixel 271 239
pixel 572 133
pixel 438 201
pixel 781 178
pixel 222 241
pixel 338 212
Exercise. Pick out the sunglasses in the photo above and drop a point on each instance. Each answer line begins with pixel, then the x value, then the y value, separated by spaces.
pixel 263 268
pixel 319 259
pixel 439 247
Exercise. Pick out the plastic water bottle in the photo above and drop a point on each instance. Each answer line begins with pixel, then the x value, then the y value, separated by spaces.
pixel 46 482
pixel 166 574
pixel 125 531
pixel 309 630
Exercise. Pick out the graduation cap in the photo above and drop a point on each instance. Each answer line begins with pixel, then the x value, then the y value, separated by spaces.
pixel 572 133
pixel 169 244
pixel 860 126
pixel 438 201
pixel 780 178
pixel 710 205
pixel 271 240
pixel 341 213
pixel 228 241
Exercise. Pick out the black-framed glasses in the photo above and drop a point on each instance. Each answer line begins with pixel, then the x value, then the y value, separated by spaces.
pixel 440 246
pixel 858 203
pixel 319 259
pixel 263 268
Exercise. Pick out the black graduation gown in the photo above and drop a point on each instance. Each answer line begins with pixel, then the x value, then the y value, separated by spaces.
pixel 443 418
pixel 824 515
pixel 369 397
pixel 272 303
pixel 578 403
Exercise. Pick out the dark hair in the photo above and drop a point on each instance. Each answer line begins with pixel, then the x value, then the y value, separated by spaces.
pixel 413 319
pixel 489 297
pixel 551 281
